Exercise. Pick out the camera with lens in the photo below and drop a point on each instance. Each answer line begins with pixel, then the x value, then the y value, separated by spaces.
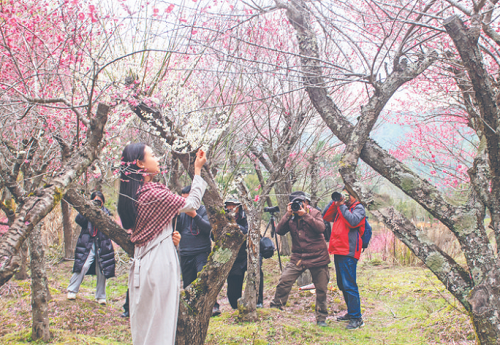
pixel 97 202
pixel 272 209
pixel 296 204
pixel 336 196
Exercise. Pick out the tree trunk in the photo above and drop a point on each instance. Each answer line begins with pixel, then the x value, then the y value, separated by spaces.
pixel 174 183
pixel 247 304
pixel 283 190
pixel 67 230
pixel 22 274
pixel 39 288
pixel 198 299
pixel 485 301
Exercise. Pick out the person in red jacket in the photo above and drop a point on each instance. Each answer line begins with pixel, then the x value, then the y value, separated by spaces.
pixel 348 217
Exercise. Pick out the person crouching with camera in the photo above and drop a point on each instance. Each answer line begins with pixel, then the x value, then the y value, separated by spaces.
pixel 309 251
pixel 348 217
pixel 94 254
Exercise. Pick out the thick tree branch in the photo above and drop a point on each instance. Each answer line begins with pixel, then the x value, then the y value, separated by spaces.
pixel 104 223
pixel 370 113
pixel 453 276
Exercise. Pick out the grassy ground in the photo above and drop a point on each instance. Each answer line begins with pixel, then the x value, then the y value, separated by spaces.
pixel 401 305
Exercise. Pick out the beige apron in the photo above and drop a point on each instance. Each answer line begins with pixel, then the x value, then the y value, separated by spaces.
pixel 155 282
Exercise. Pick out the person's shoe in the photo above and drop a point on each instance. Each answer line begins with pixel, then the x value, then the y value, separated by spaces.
pixel 321 324
pixel 125 314
pixel 71 295
pixel 355 324
pixel 260 305
pixel 215 311
pixel 345 317
pixel 275 305
pixel 101 301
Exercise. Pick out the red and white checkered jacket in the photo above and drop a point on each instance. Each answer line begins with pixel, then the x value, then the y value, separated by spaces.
pixel 156 207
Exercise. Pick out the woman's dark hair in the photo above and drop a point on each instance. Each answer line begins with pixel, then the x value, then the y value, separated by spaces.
pixel 99 194
pixel 131 179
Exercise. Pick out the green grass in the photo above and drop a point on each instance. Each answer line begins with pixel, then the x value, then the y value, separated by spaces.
pixel 400 305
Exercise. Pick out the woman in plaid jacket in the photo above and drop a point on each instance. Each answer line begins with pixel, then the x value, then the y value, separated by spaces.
pixel 148 209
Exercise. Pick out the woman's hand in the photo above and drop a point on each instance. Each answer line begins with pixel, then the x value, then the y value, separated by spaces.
pixel 201 159
pixel 176 237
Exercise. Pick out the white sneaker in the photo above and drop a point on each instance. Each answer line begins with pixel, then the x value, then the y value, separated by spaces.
pixel 101 301
pixel 71 295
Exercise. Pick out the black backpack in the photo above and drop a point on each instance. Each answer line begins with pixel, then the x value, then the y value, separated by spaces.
pixel 266 247
pixel 367 235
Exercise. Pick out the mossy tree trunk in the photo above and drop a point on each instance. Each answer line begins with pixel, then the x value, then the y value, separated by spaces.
pixel 478 288
pixel 22 273
pixel 247 304
pixel 198 299
pixel 39 288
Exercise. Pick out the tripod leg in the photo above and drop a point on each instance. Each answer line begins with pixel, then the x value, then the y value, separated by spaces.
pixel 273 229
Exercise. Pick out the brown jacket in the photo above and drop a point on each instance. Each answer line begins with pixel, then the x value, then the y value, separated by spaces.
pixel 308 242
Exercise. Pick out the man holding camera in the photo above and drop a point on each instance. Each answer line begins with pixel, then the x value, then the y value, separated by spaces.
pixel 309 251
pixel 348 217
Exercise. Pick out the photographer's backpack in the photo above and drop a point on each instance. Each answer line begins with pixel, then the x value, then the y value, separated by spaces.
pixel 367 235
pixel 266 247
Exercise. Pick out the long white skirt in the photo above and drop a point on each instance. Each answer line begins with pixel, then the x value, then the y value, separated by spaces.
pixel 154 287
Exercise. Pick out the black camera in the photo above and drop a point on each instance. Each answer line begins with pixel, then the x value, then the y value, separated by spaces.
pixel 296 204
pixel 336 196
pixel 272 209
pixel 97 202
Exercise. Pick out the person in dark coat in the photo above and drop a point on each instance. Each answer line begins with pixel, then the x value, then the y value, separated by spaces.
pixel 94 255
pixel 309 251
pixel 195 244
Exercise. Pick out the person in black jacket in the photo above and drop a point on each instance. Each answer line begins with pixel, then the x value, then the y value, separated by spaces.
pixel 94 254
pixel 195 244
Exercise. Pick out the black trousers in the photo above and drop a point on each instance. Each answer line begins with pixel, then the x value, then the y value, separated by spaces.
pixel 235 288
pixel 191 265
pixel 125 306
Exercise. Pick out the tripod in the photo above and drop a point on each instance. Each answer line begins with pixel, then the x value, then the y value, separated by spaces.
pixel 273 233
